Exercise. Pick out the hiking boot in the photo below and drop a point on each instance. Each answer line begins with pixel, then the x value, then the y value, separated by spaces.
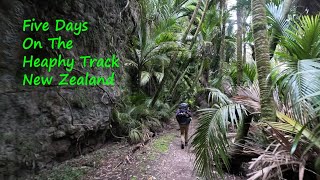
pixel 182 146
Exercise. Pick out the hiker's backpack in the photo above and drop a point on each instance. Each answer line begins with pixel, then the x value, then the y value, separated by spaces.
pixel 182 116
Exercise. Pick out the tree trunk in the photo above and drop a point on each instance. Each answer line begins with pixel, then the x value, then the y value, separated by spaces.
pixel 223 33
pixel 286 8
pixel 200 23
pixel 143 25
pixel 261 45
pixel 161 85
pixel 183 40
pixel 176 82
pixel 236 157
pixel 239 43
pixel 191 21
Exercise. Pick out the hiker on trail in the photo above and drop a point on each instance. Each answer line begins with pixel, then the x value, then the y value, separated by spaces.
pixel 183 116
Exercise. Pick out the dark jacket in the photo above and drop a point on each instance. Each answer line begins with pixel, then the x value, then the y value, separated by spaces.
pixel 183 116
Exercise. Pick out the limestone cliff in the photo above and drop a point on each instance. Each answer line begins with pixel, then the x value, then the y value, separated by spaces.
pixel 44 125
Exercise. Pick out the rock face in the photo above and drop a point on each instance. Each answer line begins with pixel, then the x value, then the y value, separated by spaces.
pixel 43 125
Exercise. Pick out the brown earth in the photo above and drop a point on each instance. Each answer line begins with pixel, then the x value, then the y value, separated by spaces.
pixel 161 159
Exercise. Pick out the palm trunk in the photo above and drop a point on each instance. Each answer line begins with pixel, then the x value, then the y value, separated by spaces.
pixel 223 33
pixel 244 55
pixel 239 43
pixel 143 24
pixel 176 81
pixel 178 77
pixel 191 21
pixel 286 8
pixel 161 85
pixel 261 47
pixel 243 129
pixel 261 44
pixel 200 23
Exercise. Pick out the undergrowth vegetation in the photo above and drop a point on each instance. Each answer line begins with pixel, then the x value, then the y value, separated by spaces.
pixel 257 87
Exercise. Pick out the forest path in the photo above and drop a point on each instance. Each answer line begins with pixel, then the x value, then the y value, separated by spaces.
pixel 161 159
pixel 177 163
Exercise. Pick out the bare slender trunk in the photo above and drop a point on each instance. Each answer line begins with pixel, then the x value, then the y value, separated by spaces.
pixel 239 43
pixel 200 23
pixel 261 44
pixel 244 59
pixel 191 21
pixel 161 85
pixel 286 8
pixel 223 32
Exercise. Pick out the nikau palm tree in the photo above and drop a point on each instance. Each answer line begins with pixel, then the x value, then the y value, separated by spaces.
pixel 222 31
pixel 239 41
pixel 259 28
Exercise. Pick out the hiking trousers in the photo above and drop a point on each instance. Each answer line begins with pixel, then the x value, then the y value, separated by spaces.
pixel 184 128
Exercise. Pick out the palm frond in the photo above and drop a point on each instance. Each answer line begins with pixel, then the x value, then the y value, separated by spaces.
pixel 303 38
pixel 217 97
pixel 145 78
pixel 210 139
pixel 277 19
pixel 296 125
pixel 249 96
pixel 159 76
pixel 298 73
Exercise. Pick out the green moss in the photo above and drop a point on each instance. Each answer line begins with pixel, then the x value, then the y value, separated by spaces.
pixel 81 98
pixel 67 173
pixel 133 178
pixel 75 169
pixel 7 137
pixel 151 156
pixel 161 144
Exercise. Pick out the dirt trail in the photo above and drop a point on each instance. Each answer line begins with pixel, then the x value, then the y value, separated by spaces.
pixel 161 159
pixel 177 163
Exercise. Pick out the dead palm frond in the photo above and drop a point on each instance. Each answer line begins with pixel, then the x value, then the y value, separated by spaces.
pixel 248 96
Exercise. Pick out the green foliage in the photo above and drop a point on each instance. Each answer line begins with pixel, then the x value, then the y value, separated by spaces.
pixel 302 39
pixel 295 76
pixel 68 173
pixel 250 73
pixel 135 115
pixel 134 178
pixel 161 144
pixel 210 142
pixel 298 72
pixel 157 39
pixel 135 136
pixel 277 20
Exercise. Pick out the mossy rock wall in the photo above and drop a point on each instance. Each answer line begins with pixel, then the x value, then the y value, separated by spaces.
pixel 44 125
